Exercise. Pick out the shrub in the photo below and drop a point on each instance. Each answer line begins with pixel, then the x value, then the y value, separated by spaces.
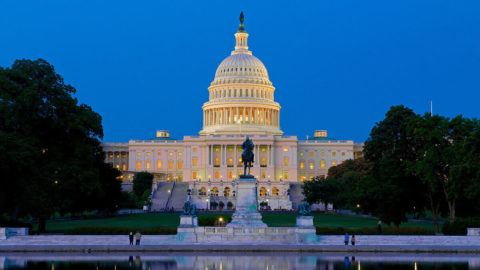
pixel 211 219
pixel 221 205
pixel 117 231
pixel 459 227
pixel 373 231
pixel 229 205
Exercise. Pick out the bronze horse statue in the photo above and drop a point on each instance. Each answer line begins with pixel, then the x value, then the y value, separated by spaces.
pixel 247 155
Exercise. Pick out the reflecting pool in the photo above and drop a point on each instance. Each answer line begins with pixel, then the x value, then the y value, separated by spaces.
pixel 211 261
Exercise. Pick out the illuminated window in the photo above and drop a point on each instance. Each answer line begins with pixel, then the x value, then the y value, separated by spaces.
pixel 194 175
pixel 139 165
pixel 217 149
pixel 124 155
pixel 117 155
pixel 170 164
pixel 301 154
pixel 323 154
pixel 263 192
pixel 230 149
pixel 147 164
pixel 311 177
pixel 202 191
pixel 170 154
pixel 124 167
pixel 263 149
pixel 263 175
pixel 215 192
pixel 148 154
pixel 334 154
pixel 334 163
pixel 159 154
pixel 240 160
pixel 230 175
pixel 194 161
pixel 230 161
pixel 343 153
pixel 138 154
pixel 159 164
pixel 285 175
pixel 311 165
pixel 226 192
pixel 285 149
pixel 179 164
pixel 194 150
pixel 275 191
pixel 302 165
pixel 217 175
pixel 110 155
pixel 180 154
pixel 217 161
pixel 322 164
pixel 263 162
pixel 240 173
pixel 117 166
pixel 302 178
pixel 285 161
pixel 311 153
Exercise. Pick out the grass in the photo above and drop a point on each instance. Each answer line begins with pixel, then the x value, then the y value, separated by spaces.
pixel 164 220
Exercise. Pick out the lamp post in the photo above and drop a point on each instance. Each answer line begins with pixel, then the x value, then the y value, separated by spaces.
pixel 207 204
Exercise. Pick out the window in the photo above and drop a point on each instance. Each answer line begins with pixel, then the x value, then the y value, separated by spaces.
pixel 217 161
pixel 263 175
pixel 138 154
pixel 263 149
pixel 285 149
pixel 215 192
pixel 239 160
pixel 194 175
pixel 263 192
pixel 334 154
pixel 302 165
pixel 139 165
pixel 217 175
pixel 311 177
pixel 170 164
pixel 285 161
pixel 117 155
pixel 343 153
pixel 194 150
pixel 285 175
pixel 179 164
pixel 323 154
pixel 301 154
pixel 147 165
pixel 275 191
pixel 148 154
pixel 180 154
pixel 230 161
pixel 217 149
pixel 263 162
pixel 226 192
pixel 230 175
pixel 110 155
pixel 311 153
pixel 302 178
pixel 334 163
pixel 194 161
pixel 311 165
pixel 124 167
pixel 159 164
pixel 159 154
pixel 202 191
pixel 170 154
pixel 117 166
pixel 124 155
pixel 322 164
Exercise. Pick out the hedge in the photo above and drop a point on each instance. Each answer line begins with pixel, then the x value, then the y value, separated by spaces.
pixel 373 231
pixel 460 225
pixel 117 231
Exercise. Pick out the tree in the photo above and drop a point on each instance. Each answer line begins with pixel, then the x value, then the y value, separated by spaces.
pixel 142 183
pixel 320 190
pixel 51 145
pixel 392 190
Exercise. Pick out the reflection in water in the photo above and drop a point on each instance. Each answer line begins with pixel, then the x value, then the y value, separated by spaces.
pixel 214 261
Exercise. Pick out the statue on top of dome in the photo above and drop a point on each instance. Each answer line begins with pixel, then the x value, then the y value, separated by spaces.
pixel 241 28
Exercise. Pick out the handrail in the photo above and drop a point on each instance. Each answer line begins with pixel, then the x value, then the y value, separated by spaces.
pixel 170 196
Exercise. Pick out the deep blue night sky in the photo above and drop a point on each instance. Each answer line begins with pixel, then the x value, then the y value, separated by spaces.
pixel 336 65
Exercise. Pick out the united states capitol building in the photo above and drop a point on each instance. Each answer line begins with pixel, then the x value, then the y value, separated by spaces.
pixel 241 102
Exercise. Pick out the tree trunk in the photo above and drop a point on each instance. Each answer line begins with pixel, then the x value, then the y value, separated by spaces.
pixel 451 206
pixel 435 210
pixel 42 225
pixel 326 208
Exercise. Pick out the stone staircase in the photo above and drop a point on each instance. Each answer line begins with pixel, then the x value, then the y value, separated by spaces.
pixel 296 195
pixel 178 197
pixel 161 196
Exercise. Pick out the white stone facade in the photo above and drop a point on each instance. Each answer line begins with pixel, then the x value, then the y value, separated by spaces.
pixel 241 102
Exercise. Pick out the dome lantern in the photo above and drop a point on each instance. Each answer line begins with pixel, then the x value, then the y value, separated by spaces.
pixel 241 45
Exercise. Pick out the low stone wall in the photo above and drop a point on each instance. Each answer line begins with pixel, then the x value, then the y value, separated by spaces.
pixel 284 235
pixel 473 231
pixel 8 232
pixel 3 234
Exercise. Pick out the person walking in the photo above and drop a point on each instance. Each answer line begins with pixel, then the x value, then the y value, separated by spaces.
pixel 130 237
pixel 379 227
pixel 138 236
pixel 352 240
pixel 347 237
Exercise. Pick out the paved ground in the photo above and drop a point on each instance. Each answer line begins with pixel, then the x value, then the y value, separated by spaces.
pixel 332 243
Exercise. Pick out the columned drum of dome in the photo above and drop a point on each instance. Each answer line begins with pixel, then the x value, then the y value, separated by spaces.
pixel 241 97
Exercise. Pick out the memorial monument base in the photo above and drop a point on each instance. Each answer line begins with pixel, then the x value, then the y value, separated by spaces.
pixel 246 212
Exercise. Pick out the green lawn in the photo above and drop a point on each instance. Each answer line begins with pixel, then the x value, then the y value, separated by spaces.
pixel 156 220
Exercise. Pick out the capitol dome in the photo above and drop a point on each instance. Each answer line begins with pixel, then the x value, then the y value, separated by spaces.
pixel 241 95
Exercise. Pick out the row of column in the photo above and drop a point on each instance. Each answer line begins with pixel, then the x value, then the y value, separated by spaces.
pixel 241 115
pixel 223 156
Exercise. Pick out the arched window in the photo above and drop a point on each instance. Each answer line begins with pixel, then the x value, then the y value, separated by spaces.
pixel 202 191
pixel 230 175
pixel 217 175
pixel 263 162
pixel 215 192
pixel 179 164
pixel 159 164
pixel 194 175
pixel 194 161
pixel 275 191
pixel 263 192
pixel 302 165
pixel 230 161
pixel 170 164
pixel 139 165
pixel 311 166
pixel 124 167
pixel 147 165
pixel 322 164
pixel 226 192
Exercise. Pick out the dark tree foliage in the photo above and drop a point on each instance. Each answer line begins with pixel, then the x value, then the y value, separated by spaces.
pixel 51 158
pixel 392 190
pixel 142 183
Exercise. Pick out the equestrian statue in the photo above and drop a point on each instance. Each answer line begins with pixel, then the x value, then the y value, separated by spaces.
pixel 247 155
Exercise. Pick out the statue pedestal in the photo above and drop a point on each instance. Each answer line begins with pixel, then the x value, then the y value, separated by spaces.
pixel 305 221
pixel 188 221
pixel 246 213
